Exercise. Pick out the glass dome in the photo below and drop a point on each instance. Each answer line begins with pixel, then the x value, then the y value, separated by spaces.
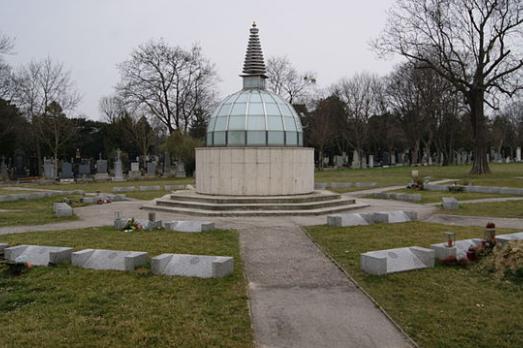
pixel 254 117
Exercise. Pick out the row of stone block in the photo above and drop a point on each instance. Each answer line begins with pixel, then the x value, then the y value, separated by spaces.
pixel 387 261
pixel 357 219
pixel 149 188
pixel 406 197
pixel 36 195
pixel 202 266
pixel 341 185
pixel 478 189
pixel 189 226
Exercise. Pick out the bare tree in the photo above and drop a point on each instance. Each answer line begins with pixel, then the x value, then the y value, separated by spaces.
pixel 470 43
pixel 7 86
pixel 171 83
pixel 38 85
pixel 363 95
pixel 286 81
pixel 111 108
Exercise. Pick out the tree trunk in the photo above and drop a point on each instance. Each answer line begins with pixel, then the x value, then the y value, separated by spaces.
pixel 477 115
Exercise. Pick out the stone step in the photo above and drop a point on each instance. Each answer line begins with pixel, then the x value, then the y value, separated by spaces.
pixel 305 212
pixel 254 206
pixel 316 196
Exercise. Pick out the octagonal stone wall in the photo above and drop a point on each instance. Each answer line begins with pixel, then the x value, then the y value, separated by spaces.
pixel 254 171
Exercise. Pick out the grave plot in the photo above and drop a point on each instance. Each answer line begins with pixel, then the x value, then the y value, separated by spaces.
pixel 503 238
pixel 457 250
pixel 392 217
pixel 101 259
pixel 200 266
pixel 189 226
pixel 353 219
pixel 382 262
pixel 38 255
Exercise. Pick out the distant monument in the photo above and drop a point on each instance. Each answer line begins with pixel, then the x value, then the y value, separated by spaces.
pixel 118 174
pixel 101 169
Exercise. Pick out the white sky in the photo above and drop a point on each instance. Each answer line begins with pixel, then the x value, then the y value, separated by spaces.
pixel 329 37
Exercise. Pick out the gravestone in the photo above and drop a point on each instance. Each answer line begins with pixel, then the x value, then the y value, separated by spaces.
pixel 338 161
pixel 449 203
pixel 518 154
pixel 49 169
pixel 382 262
pixel 353 219
pixel 458 250
pixel 117 260
pixel 392 217
pixel 189 226
pixel 62 209
pixel 180 170
pixel 84 169
pixel 504 238
pixel 151 169
pixel 4 175
pixel 38 255
pixel 167 169
pixel 355 159
pixel 200 266
pixel 393 159
pixel 364 162
pixel 101 169
pixel 67 171
pixel 135 173
pixel 371 161
pixel 118 174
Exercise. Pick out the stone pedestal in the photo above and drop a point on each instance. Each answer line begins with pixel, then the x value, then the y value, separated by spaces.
pixel 254 171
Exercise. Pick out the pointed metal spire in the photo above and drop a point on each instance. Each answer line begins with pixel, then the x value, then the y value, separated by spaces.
pixel 254 65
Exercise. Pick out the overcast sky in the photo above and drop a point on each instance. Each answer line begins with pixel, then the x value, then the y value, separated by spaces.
pixel 329 37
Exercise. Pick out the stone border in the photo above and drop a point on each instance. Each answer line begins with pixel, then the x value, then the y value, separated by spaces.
pixel 37 195
pixel 406 197
pixel 477 189
pixel 342 185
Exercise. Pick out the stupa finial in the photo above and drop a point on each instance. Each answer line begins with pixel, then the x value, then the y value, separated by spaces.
pixel 254 65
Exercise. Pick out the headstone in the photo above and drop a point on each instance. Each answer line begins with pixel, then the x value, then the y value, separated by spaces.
pixel 151 169
pixel 84 169
pixel 364 162
pixel 449 203
pixel 338 161
pixel 4 175
pixel 101 169
pixel 67 171
pixel 167 170
pixel 62 209
pixel 396 260
pixel 392 217
pixel 38 255
pixel 180 170
pixel 189 226
pixel 49 169
pixel 355 159
pixel 118 174
pixel 354 219
pixel 458 250
pixel 200 266
pixel 135 173
pixel 109 259
pixel 518 154
pixel 504 238
pixel 393 158
pixel 371 161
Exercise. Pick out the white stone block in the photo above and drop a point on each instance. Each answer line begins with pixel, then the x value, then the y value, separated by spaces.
pixel 391 217
pixel 200 266
pixel 504 238
pixel 62 209
pixel 38 255
pixel 396 260
pixel 461 247
pixel 449 203
pixel 150 188
pixel 353 219
pixel 189 226
pixel 109 259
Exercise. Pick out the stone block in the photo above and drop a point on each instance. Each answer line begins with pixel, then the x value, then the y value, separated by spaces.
pixel 101 259
pixel 449 203
pixel 124 189
pixel 38 255
pixel 200 266
pixel 189 226
pixel 353 219
pixel 62 209
pixel 504 238
pixel 365 184
pixel 174 187
pixel 150 188
pixel 391 217
pixel 460 247
pixel 382 262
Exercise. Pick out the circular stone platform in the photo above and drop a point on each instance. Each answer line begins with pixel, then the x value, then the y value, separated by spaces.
pixel 254 171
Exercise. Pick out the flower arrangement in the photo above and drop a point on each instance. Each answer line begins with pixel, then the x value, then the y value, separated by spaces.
pixel 132 225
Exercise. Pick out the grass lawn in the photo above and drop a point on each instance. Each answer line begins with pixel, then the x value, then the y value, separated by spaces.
pixel 502 175
pixel 34 212
pixel 435 196
pixel 438 307
pixel 511 209
pixel 107 186
pixel 74 307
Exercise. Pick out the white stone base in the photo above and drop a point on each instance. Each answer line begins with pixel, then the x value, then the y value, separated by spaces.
pixel 254 171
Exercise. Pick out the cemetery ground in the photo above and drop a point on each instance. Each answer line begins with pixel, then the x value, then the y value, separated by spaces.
pixel 445 306
pixel 36 211
pixel 68 306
